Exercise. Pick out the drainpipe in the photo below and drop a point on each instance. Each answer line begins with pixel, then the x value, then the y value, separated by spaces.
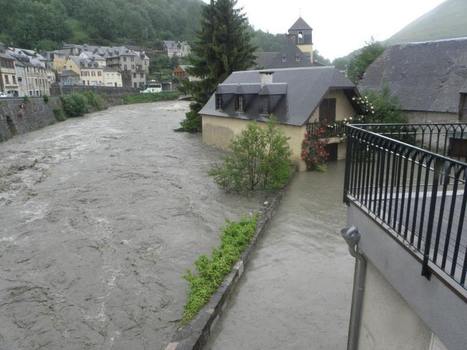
pixel 352 238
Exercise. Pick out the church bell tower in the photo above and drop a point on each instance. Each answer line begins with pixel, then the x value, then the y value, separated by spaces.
pixel 302 34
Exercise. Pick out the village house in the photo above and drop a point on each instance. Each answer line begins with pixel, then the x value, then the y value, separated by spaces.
pixel 33 75
pixel 297 97
pixel 90 72
pixel 181 73
pixel 69 78
pixel 296 51
pixel 112 78
pixel 8 82
pixel 132 66
pixel 176 48
pixel 428 78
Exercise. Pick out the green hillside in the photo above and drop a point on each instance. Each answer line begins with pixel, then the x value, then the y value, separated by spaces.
pixel 45 24
pixel 448 20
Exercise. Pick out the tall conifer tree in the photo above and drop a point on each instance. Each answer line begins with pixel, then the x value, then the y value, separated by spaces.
pixel 223 45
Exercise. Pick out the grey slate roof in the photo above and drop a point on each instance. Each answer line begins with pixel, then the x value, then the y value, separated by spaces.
pixel 302 89
pixel 300 24
pixel 424 76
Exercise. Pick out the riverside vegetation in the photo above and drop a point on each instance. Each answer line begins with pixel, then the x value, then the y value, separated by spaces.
pixel 211 271
pixel 259 160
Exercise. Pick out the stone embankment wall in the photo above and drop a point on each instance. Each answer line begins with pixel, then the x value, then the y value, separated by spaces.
pixel 19 116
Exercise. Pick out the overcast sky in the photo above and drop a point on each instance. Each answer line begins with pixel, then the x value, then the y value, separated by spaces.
pixel 340 26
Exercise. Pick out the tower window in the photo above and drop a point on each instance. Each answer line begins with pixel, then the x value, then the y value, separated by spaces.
pixel 300 38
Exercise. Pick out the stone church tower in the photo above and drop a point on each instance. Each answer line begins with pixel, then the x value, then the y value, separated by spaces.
pixel 302 34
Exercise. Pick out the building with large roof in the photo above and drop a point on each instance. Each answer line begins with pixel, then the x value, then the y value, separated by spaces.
pixel 428 78
pixel 296 97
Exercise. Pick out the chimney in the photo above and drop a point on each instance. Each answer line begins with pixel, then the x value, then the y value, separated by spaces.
pixel 266 77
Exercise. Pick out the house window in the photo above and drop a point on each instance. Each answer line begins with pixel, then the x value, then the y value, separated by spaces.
pixel 298 58
pixel 124 59
pixel 265 105
pixel 142 75
pixel 14 79
pixel 239 104
pixel 99 73
pixel 284 58
pixel 7 79
pixel 218 101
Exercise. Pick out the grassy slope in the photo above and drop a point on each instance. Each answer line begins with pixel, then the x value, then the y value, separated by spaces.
pixel 448 20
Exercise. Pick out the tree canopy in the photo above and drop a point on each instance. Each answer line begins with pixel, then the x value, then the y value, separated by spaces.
pixel 46 24
pixel 223 45
pixel 358 64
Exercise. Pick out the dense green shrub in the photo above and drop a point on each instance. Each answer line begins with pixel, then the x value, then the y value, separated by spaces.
pixel 46 99
pixel 260 159
pixel 211 271
pixel 380 107
pixel 147 98
pixel 59 114
pixel 79 103
pixel 75 105
pixel 93 100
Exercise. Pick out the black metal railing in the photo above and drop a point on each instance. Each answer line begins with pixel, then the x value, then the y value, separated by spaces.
pixel 327 130
pixel 418 195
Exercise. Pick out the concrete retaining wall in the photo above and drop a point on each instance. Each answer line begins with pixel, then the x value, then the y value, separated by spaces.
pixel 18 116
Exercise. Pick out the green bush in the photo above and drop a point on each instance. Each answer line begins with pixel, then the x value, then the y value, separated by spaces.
pixel 147 98
pixel 75 105
pixel 59 115
pixel 46 99
pixel 260 160
pixel 380 107
pixel 96 102
pixel 191 123
pixel 79 103
pixel 211 271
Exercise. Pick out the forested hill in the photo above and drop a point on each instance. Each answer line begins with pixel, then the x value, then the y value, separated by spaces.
pixel 45 24
pixel 446 21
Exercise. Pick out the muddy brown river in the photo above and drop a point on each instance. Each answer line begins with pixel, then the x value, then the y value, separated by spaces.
pixel 99 218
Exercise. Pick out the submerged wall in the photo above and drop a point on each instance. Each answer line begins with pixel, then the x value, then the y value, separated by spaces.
pixel 19 116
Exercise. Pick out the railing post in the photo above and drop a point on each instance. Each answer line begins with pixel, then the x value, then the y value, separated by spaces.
pixel 434 194
pixel 348 164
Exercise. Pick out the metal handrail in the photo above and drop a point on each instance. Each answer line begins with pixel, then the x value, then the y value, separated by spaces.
pixel 414 192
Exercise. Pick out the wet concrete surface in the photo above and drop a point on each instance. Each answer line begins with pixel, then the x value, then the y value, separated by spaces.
pixel 99 218
pixel 296 290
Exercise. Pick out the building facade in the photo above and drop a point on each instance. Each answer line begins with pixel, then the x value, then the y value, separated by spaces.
pixel 297 97
pixel 176 48
pixel 112 78
pixel 8 81
pixel 33 75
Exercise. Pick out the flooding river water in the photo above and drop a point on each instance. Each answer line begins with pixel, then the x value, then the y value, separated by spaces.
pixel 99 218
pixel 296 291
